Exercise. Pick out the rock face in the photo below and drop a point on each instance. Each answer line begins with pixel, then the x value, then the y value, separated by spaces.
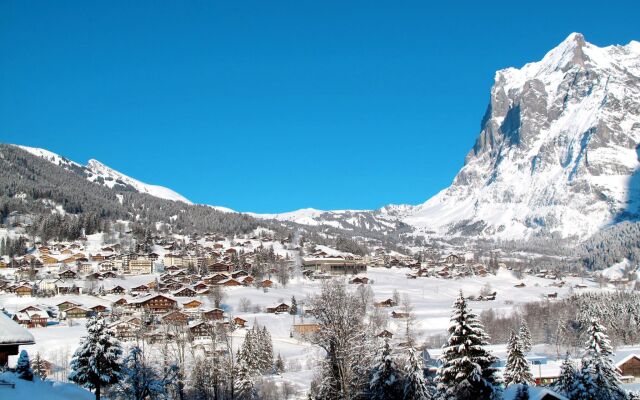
pixel 557 153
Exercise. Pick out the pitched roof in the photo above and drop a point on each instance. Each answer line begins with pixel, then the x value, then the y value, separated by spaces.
pixel 12 333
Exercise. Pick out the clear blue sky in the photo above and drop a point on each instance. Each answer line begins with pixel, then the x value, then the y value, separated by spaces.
pixel 271 106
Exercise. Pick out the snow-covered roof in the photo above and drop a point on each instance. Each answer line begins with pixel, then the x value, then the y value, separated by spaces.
pixel 12 333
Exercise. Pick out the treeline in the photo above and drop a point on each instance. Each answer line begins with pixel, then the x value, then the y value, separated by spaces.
pixel 564 323
pixel 611 246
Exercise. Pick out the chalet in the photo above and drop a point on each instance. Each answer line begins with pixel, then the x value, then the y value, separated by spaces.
pixel 23 291
pixel 306 329
pixel 230 282
pixel 175 317
pixel 120 302
pixel 280 308
pixel 48 260
pixel 453 259
pixel 12 336
pixel 360 280
pixel 629 368
pixel 213 314
pixel 140 289
pixel 267 283
pixel 66 305
pixel 156 304
pixel 220 267
pixel 238 274
pixel 334 265
pixel 116 290
pixel 67 274
pixel 192 304
pixel 68 288
pixel 96 257
pixel 127 330
pixel 31 317
pixel 386 303
pixel 240 322
pixel 246 280
pixel 214 279
pixel 99 309
pixel 109 274
pixel 185 292
pixel 520 285
pixel 200 330
pixel 552 295
pixel 76 312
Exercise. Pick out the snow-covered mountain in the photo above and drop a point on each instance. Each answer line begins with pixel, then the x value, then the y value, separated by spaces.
pixel 97 172
pixel 558 150
pixel 557 153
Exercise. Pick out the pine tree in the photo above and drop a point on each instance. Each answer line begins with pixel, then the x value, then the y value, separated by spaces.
pixel 244 385
pixel 39 368
pixel 386 379
pixel 96 363
pixel 567 382
pixel 415 385
pixel 279 365
pixel 598 368
pixel 265 351
pixel 517 369
pixel 294 306
pixel 525 336
pixel 23 367
pixel 467 372
pixel 140 381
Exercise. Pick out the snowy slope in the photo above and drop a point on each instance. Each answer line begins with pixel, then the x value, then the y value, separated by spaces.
pixel 112 177
pixel 95 171
pixel 557 153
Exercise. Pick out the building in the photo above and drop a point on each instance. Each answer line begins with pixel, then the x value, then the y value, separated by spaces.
pixel 156 304
pixel 12 336
pixel 306 329
pixel 629 367
pixel 280 308
pixel 140 267
pixel 334 265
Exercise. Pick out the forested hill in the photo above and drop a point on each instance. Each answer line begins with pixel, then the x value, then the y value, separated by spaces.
pixel 33 186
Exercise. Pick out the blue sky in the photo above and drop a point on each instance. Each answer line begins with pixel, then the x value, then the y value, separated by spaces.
pixel 271 106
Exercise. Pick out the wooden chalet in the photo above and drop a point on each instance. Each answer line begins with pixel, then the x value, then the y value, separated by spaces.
pixel 175 317
pixel 386 303
pixel 280 308
pixel 23 291
pixel 192 304
pixel 76 312
pixel 12 336
pixel 213 314
pixel 156 304
pixel 240 322
pixel 185 292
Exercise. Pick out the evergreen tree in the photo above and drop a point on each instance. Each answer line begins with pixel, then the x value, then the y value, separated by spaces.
pixel 96 363
pixel 265 355
pixel 567 382
pixel 415 385
pixel 525 336
pixel 294 306
pixel 386 379
pixel 279 365
pixel 140 381
pixel 467 372
pixel 23 366
pixel 39 368
pixel 517 369
pixel 598 368
pixel 244 385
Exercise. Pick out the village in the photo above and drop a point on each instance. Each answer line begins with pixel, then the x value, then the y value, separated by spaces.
pixel 189 287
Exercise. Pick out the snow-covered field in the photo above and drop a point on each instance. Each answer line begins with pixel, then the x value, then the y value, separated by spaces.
pixel 431 299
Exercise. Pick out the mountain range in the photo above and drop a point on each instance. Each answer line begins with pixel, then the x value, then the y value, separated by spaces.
pixel 557 156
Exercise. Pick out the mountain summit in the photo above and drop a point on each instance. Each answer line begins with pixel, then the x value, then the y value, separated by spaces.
pixel 557 153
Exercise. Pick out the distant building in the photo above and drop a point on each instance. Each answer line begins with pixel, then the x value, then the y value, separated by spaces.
pixel 334 265
pixel 140 267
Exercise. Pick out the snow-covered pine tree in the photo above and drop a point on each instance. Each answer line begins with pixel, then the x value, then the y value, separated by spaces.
pixel 517 369
pixel 23 366
pixel 467 372
pixel 567 382
pixel 139 380
pixel 244 387
pixel 386 377
pixel 96 363
pixel 525 336
pixel 279 365
pixel 415 384
pixel 266 351
pixel 598 366
pixel 294 306
pixel 38 367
